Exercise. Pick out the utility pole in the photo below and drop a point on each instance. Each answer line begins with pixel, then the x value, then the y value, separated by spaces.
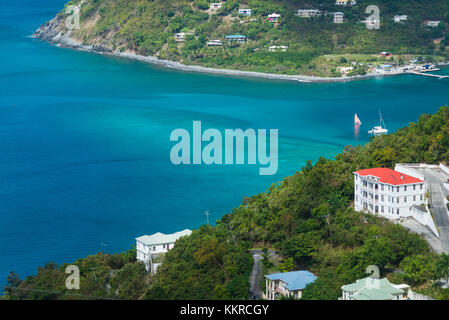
pixel 207 216
pixel 102 247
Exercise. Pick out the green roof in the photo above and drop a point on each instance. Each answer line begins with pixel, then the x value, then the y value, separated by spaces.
pixel 372 289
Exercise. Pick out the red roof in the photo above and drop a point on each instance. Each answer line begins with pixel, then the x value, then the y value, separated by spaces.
pixel 389 176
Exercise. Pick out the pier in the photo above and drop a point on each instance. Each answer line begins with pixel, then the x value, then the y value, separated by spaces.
pixel 429 74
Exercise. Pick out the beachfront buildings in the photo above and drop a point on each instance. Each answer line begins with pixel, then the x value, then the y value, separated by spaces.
pixel 308 13
pixel 371 288
pixel 157 243
pixel 387 192
pixel 339 17
pixel 287 284
pixel 346 2
pixel 274 17
pixel 216 5
pixel 236 38
pixel 245 12
pixel 400 18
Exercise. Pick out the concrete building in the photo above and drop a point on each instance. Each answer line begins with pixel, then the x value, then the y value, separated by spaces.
pixel 400 18
pixel 245 12
pixel 371 288
pixel 308 13
pixel 345 2
pixel 214 43
pixel 274 17
pixel 339 17
pixel 236 38
pixel 157 243
pixel 216 5
pixel 433 24
pixel 287 284
pixel 387 192
pixel 277 48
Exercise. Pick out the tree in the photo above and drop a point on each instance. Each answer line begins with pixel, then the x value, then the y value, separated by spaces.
pixel 418 268
pixel 442 267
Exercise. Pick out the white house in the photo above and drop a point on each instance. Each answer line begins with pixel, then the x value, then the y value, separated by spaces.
pixel 181 36
pixel 339 17
pixel 214 43
pixel 278 48
pixel 245 12
pixel 371 288
pixel 273 17
pixel 215 5
pixel 148 245
pixel 400 18
pixel 308 13
pixel 346 2
pixel 287 284
pixel 387 192
pixel 433 24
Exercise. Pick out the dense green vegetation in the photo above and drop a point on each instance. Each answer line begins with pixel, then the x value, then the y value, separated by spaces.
pixel 148 27
pixel 307 218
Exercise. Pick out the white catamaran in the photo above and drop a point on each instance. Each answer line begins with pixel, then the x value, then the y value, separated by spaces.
pixel 381 129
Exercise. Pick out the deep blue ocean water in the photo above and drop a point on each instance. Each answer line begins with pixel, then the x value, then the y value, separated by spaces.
pixel 84 140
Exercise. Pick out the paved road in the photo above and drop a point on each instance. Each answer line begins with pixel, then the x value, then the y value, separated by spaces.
pixel 435 179
pixel 256 274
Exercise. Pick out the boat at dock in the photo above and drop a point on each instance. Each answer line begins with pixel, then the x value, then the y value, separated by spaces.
pixel 380 129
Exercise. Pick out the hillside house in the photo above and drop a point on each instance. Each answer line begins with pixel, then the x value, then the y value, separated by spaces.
pixel 274 17
pixel 339 17
pixel 245 12
pixel 371 288
pixel 345 2
pixel 308 13
pixel 287 284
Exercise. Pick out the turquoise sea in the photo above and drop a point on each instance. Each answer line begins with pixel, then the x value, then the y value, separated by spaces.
pixel 84 140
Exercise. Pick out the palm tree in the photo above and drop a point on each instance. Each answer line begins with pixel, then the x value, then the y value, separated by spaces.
pixel 442 267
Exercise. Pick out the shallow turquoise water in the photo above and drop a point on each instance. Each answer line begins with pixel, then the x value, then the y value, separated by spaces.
pixel 84 140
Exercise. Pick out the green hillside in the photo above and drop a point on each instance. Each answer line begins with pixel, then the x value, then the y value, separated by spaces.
pixel 316 46
pixel 290 217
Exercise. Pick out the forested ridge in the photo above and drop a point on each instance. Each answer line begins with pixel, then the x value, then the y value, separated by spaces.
pixel 306 218
pixel 316 46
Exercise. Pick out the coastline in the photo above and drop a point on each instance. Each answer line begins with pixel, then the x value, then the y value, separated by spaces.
pixel 66 41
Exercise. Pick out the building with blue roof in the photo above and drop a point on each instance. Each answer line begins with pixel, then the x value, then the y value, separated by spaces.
pixel 287 284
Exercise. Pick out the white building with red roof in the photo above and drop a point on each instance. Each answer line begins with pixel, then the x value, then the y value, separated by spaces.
pixel 387 192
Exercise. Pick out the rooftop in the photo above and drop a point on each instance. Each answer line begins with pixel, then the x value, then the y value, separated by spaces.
pixel 389 176
pixel 373 289
pixel 295 280
pixel 160 238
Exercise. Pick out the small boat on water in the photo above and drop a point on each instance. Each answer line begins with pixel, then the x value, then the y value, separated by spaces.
pixel 380 129
pixel 357 120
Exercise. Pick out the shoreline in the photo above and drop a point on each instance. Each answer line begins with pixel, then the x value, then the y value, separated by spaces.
pixel 67 42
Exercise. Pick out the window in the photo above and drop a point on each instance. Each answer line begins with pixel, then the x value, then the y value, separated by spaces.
pixel 382 209
pixel 397 211
pixel 382 187
pixel 414 198
pixel 397 189
pixel 356 187
pixel 420 197
pixel 154 248
pixel 421 185
pixel 405 199
pixel 397 199
pixel 405 188
pixel 382 198
pixel 414 187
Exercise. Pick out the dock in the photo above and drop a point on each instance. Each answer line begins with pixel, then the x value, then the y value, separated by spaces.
pixel 438 76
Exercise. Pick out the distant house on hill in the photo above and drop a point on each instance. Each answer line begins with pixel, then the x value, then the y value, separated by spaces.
pixel 339 17
pixel 346 2
pixel 287 284
pixel 214 43
pixel 245 12
pixel 433 24
pixel 273 17
pixel 278 48
pixel 236 38
pixel 216 5
pixel 308 13
pixel 400 18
